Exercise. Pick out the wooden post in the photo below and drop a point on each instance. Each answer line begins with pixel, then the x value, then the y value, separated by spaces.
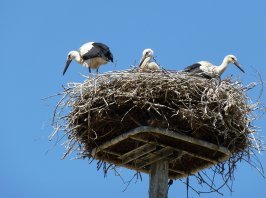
pixel 159 179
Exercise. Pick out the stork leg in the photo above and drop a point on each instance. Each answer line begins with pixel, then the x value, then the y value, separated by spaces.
pixel 219 80
pixel 97 70
pixel 89 69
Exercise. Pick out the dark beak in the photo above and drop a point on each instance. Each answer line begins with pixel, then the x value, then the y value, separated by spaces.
pixel 111 57
pixel 239 67
pixel 67 65
pixel 142 60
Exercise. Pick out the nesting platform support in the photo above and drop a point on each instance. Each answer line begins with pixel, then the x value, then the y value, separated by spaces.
pixel 159 179
pixel 162 154
pixel 141 147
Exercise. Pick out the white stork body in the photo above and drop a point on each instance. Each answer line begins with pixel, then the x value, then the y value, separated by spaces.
pixel 90 55
pixel 209 70
pixel 152 66
pixel 145 63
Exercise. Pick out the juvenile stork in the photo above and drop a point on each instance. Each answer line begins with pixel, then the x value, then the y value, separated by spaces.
pixel 90 55
pixel 145 63
pixel 209 70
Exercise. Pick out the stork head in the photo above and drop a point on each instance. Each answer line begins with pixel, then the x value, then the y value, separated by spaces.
pixel 147 52
pixel 72 55
pixel 233 59
pixel 146 55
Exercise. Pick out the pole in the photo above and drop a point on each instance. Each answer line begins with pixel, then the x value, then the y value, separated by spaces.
pixel 159 179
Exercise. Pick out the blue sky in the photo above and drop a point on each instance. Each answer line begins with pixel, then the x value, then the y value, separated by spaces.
pixel 35 39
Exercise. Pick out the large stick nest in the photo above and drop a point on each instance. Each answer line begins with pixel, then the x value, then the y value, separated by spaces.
pixel 109 104
pixel 113 103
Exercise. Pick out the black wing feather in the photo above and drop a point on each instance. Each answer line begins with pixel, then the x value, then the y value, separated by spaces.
pixel 92 53
pixel 99 50
pixel 105 50
pixel 195 68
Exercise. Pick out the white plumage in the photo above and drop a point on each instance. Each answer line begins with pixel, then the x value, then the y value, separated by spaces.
pixel 210 70
pixel 145 63
pixel 90 55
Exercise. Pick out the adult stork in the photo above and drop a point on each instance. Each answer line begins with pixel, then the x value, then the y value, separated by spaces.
pixel 209 70
pixel 90 55
pixel 147 54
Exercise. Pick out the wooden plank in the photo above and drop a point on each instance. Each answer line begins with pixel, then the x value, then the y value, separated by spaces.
pixel 185 152
pixel 119 163
pixel 178 136
pixel 137 153
pixel 111 152
pixel 184 138
pixel 147 171
pixel 182 173
pixel 177 156
pixel 202 157
pixel 159 179
pixel 155 156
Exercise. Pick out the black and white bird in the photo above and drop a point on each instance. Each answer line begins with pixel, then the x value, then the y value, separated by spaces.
pixel 145 63
pixel 90 55
pixel 209 70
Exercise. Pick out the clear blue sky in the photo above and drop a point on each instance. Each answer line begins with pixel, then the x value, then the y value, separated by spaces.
pixel 35 39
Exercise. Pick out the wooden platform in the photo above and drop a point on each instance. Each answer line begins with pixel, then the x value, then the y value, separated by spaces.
pixel 139 148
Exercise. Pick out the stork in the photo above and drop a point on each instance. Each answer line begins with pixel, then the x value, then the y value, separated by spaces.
pixel 147 54
pixel 90 55
pixel 209 70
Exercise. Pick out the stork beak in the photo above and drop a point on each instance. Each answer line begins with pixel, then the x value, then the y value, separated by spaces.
pixel 239 67
pixel 143 58
pixel 67 65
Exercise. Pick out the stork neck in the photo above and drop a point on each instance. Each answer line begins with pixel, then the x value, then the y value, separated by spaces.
pixel 144 63
pixel 220 69
pixel 76 56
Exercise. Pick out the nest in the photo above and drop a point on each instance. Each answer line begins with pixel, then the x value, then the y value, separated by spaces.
pixel 110 104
